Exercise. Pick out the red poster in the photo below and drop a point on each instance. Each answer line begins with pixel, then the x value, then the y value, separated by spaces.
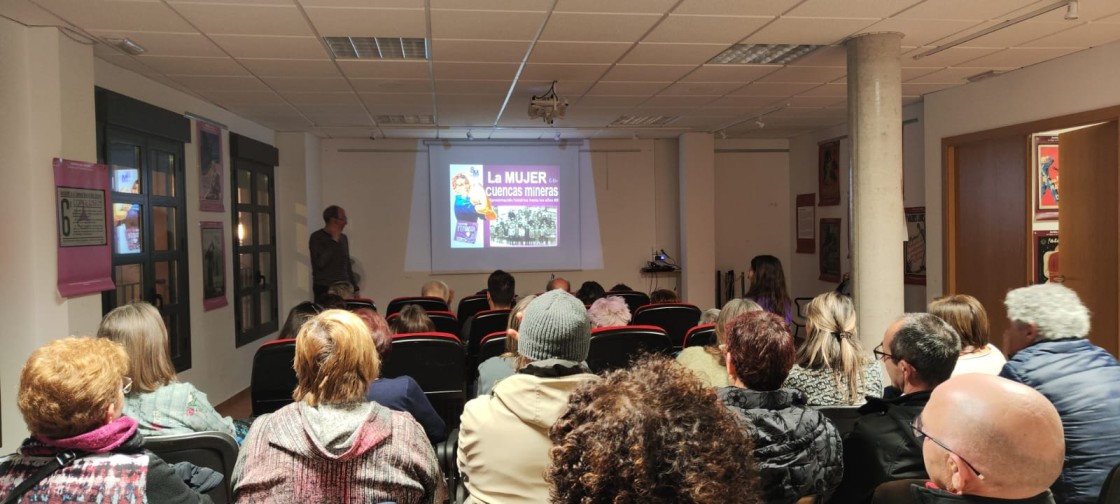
pixel 84 251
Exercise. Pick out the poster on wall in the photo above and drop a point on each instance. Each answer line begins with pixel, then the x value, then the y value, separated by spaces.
pixel 806 215
pixel 1046 266
pixel 828 173
pixel 830 250
pixel 914 249
pixel 211 168
pixel 1046 181
pixel 82 206
pixel 213 266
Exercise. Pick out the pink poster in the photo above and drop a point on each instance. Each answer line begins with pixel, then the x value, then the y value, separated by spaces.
pixel 84 252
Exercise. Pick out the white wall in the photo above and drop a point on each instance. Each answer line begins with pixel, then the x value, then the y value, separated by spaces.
pixel 299 155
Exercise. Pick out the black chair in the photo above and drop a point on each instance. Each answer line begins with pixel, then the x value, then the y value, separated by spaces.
pixel 445 321
pixel 485 322
pixel 428 303
pixel 1110 491
pixel 471 305
pixel 675 318
pixel 355 303
pixel 843 417
pixel 436 361
pixel 493 345
pixel 616 347
pixel 214 450
pixel 799 318
pixel 273 377
pixel 446 453
pixel 701 335
pixel 634 299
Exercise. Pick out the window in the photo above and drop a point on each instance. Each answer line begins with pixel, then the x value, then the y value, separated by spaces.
pixel 254 238
pixel 143 147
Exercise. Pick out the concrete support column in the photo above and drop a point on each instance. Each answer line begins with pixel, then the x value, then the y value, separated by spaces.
pixel 299 159
pixel 698 218
pixel 877 221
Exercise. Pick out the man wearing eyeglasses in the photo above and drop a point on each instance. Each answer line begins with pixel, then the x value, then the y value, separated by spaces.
pixel 919 352
pixel 330 253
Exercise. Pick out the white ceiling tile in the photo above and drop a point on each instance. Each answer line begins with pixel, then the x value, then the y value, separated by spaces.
pixel 702 88
pixel 921 89
pixel 166 44
pixel 478 50
pixel 381 4
pixel 320 84
pixel 911 73
pixel 744 104
pixel 968 10
pixel 305 99
pixel 240 99
pixel 128 63
pixel 179 65
pixel 730 73
pixel 814 101
pixel 628 88
pixel 1017 58
pixel 948 57
pixel 118 15
pixel 736 7
pixel 220 83
pixel 579 27
pixel 817 75
pixel 672 54
pixel 775 89
pixel 487 87
pixel 834 56
pixel 290 67
pixel 678 28
pixel 850 8
pixel 28 13
pixel 404 99
pixel 1019 34
pixel 615 6
pixel 563 72
pixel 830 90
pixel 566 89
pixel 691 101
pixel 227 2
pixel 919 32
pixel 215 19
pixel 578 52
pixel 700 122
pixel 1108 18
pixel 1089 34
pixel 609 101
pixel 350 117
pixel 820 31
pixel 340 22
pixel 947 76
pixel 495 5
pixel 479 71
pixel 401 109
pixel 647 72
pixel 382 69
pixel 392 85
pixel 485 25
pixel 258 46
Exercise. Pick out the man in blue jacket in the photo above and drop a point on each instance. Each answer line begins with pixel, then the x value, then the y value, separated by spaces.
pixel 1050 353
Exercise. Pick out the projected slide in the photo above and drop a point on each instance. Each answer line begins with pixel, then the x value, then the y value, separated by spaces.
pixel 504 206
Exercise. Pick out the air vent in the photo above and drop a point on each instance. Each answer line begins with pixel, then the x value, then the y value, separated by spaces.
pixel 404 120
pixel 378 48
pixel 762 54
pixel 643 120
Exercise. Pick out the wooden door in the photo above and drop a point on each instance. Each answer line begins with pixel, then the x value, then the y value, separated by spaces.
pixel 987 227
pixel 1088 225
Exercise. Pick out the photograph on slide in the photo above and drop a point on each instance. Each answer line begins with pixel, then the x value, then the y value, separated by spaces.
pixel 470 206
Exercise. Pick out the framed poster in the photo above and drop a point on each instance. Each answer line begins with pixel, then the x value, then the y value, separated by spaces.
pixel 806 215
pixel 914 251
pixel 213 266
pixel 1046 266
pixel 830 250
pixel 211 168
pixel 1046 179
pixel 82 205
pixel 828 172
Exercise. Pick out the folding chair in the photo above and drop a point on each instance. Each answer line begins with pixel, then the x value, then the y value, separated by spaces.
pixel 273 376
pixel 616 347
pixel 428 303
pixel 675 318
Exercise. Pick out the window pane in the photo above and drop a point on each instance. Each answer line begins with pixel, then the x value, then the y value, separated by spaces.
pixel 126 162
pixel 245 229
pixel 266 307
pixel 163 228
pixel 126 180
pixel 166 283
pixel 262 190
pixel 266 269
pixel 129 279
pixel 127 224
pixel 264 230
pixel 245 269
pixel 163 174
pixel 246 313
pixel 244 179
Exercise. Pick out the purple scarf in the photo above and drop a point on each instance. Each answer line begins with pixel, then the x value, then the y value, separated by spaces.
pixel 100 440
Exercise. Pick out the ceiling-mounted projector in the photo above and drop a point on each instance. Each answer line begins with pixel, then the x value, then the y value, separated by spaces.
pixel 548 106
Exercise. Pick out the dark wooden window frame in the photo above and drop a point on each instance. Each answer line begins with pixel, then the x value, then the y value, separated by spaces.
pixel 256 158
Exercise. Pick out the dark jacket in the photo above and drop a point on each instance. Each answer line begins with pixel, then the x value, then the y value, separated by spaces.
pixel 1082 380
pixel 404 394
pixel 882 447
pixel 796 447
pixel 912 492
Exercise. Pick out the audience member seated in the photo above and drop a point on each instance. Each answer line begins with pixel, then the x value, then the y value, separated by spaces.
pixel 503 437
pixel 609 311
pixel 500 291
pixel 412 319
pixel 436 288
pixel 158 401
pixel 882 447
pixel 1049 353
pixel 332 302
pixel 558 283
pixel 344 290
pixel 768 286
pixel 71 394
pixel 709 316
pixel 331 444
pixel 967 316
pixel 401 393
pixel 649 434
pixel 497 368
pixel 797 448
pixel 708 362
pixel 299 314
pixel 662 296
pixel 620 287
pixel 589 292
pixel 984 438
pixel 832 368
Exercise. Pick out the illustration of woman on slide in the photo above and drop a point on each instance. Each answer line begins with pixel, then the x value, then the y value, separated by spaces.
pixel 471 202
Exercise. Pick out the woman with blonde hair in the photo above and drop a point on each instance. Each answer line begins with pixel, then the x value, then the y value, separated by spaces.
pixel 503 366
pixel 708 362
pixel 832 369
pixel 158 401
pixel 332 445
pixel 967 316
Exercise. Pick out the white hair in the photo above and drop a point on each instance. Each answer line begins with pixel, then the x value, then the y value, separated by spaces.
pixel 609 311
pixel 1055 310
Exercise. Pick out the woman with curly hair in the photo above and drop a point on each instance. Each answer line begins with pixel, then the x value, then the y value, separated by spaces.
pixel 832 368
pixel 651 434
pixel 708 361
pixel 609 311
pixel 768 286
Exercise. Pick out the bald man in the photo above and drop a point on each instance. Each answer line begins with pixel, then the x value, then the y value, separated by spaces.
pixel 558 283
pixel 985 437
pixel 436 288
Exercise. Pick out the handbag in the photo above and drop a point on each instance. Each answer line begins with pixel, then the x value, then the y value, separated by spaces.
pixel 62 459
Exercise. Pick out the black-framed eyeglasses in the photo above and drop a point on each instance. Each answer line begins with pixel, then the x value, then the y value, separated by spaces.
pixel 880 354
pixel 921 436
pixel 127 387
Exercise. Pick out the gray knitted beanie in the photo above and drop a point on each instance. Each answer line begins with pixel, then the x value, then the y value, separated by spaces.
pixel 555 326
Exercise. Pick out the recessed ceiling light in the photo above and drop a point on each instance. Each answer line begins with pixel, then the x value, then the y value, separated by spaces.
pixel 404 120
pixel 644 120
pixel 378 47
pixel 762 54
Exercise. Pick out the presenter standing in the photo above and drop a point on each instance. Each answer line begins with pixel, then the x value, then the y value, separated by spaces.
pixel 330 253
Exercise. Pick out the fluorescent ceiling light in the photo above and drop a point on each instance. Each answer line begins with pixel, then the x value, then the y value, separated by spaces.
pixel 643 120
pixel 762 54
pixel 378 48
pixel 404 120
pixel 127 45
